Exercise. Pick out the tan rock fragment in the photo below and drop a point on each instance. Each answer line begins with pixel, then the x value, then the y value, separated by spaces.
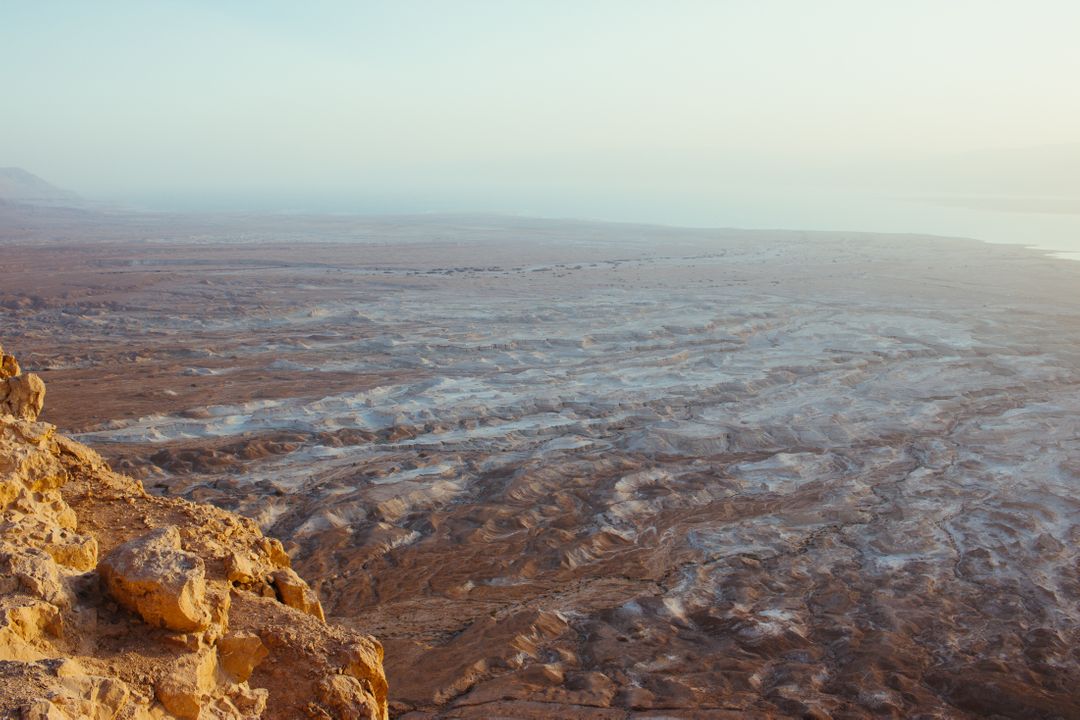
pixel 10 488
pixel 242 702
pixel 155 578
pixel 239 569
pixel 363 661
pixel 33 571
pixel 274 550
pixel 22 396
pixel 343 696
pixel 43 710
pixel 295 593
pixel 250 701
pixel 196 688
pixel 26 462
pixel 240 653
pixel 93 697
pixel 78 552
pixel 189 685
pixel 9 366
pixel 23 629
pixel 83 455
pixel 219 600
pixel 46 530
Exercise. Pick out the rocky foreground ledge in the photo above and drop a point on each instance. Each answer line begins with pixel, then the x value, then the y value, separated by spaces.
pixel 118 604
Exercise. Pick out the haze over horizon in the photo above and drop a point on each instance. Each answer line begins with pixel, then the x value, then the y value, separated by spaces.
pixel 839 114
pixel 531 359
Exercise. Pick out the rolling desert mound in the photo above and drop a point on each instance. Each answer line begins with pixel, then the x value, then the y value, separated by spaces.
pixel 580 470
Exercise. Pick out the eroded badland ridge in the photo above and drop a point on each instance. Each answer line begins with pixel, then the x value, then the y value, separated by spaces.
pixel 118 604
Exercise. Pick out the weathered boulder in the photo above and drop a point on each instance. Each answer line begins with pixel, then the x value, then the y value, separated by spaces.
pixel 42 532
pixel 295 592
pixel 240 653
pixel 154 577
pixel 190 685
pixel 33 571
pixel 20 395
pixel 344 697
pixel 239 568
pixel 9 366
pixel 93 697
pixel 195 688
pixel 24 627
pixel 74 692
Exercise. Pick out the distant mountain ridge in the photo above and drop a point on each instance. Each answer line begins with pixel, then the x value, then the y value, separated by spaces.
pixel 19 186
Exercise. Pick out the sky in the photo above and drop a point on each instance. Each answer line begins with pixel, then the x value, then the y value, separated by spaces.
pixel 680 111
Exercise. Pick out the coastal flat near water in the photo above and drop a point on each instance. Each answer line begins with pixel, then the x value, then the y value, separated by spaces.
pixel 580 470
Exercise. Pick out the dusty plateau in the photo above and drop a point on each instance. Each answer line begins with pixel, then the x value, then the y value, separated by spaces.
pixel 575 470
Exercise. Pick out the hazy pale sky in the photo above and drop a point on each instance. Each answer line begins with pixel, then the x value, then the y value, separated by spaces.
pixel 584 107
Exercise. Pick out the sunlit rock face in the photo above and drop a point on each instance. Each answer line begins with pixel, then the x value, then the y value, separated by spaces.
pixel 635 470
pixel 171 619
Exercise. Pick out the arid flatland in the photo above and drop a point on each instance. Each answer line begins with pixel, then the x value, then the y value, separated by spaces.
pixel 580 470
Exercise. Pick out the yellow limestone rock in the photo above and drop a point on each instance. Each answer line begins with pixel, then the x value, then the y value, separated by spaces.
pixel 20 395
pixel 90 696
pixel 240 653
pixel 296 594
pixel 35 572
pixel 197 689
pixel 44 710
pixel 42 530
pixel 78 552
pixel 23 396
pixel 23 629
pixel 346 697
pixel 239 569
pixel 155 578
pixel 190 685
pixel 9 366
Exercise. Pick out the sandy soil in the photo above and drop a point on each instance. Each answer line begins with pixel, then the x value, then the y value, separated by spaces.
pixel 592 471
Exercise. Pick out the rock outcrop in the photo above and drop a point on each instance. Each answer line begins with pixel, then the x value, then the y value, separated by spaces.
pixel 154 577
pixel 20 395
pixel 118 604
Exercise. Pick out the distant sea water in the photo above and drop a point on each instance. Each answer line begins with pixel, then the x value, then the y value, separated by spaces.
pixel 1045 224
pixel 1051 224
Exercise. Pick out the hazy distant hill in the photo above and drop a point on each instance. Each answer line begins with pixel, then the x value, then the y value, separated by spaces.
pixel 18 185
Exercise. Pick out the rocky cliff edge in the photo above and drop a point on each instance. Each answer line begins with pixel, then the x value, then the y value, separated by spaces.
pixel 118 604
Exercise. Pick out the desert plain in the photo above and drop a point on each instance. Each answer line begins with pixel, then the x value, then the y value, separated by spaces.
pixel 584 470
